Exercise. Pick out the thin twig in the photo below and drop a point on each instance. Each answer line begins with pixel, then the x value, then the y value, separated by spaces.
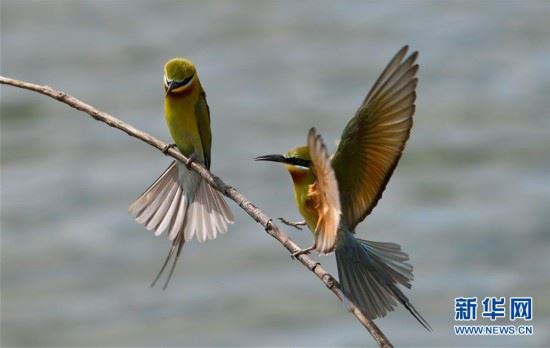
pixel 249 207
pixel 297 225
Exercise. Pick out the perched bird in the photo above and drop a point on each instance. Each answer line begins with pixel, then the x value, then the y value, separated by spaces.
pixel 179 201
pixel 335 194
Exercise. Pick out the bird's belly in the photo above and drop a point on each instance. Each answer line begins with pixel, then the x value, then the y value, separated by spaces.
pixel 188 144
pixel 310 216
pixel 306 210
pixel 185 133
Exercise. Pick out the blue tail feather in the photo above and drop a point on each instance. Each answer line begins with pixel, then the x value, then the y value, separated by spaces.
pixel 370 273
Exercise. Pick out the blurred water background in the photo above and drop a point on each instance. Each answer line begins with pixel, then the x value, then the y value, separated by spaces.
pixel 469 201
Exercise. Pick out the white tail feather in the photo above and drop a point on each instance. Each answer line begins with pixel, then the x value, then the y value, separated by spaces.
pixel 217 219
pixel 168 217
pixel 181 202
pixel 162 211
pixel 154 199
pixel 178 218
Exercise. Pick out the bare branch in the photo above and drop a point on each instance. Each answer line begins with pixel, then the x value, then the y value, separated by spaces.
pixel 297 225
pixel 243 202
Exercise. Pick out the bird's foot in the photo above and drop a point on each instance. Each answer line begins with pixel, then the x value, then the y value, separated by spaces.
pixel 303 251
pixel 167 147
pixel 296 224
pixel 190 160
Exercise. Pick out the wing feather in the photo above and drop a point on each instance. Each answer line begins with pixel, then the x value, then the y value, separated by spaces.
pixel 373 140
pixel 323 194
pixel 203 119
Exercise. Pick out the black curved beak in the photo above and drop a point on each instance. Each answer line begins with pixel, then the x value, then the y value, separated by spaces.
pixel 171 86
pixel 272 158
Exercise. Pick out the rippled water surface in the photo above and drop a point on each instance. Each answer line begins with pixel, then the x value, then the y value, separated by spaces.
pixel 469 201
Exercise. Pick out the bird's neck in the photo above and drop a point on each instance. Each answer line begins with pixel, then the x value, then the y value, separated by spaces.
pixel 186 95
pixel 301 176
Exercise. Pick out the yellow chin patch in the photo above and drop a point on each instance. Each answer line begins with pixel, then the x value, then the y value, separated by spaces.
pixel 298 174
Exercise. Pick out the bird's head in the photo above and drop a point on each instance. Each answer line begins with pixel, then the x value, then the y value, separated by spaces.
pixel 179 75
pixel 297 161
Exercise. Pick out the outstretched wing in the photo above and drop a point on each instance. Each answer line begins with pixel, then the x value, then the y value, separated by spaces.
pixel 374 138
pixel 323 194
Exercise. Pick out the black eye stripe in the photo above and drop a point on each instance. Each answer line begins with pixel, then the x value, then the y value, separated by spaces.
pixel 298 162
pixel 185 81
pixel 180 83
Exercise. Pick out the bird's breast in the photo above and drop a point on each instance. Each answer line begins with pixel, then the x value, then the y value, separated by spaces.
pixel 182 123
pixel 305 205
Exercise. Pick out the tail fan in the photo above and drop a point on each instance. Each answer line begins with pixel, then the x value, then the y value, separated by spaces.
pixel 370 273
pixel 180 202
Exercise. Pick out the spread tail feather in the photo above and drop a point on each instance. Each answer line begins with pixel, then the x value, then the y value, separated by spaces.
pixel 370 273
pixel 182 203
pixel 207 215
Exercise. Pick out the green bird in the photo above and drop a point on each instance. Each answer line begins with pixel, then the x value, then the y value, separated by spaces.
pixel 180 201
pixel 335 194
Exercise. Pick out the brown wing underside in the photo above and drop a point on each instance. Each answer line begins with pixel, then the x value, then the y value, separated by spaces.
pixel 323 195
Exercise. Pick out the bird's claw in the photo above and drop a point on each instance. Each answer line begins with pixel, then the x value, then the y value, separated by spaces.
pixel 190 160
pixel 296 225
pixel 167 147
